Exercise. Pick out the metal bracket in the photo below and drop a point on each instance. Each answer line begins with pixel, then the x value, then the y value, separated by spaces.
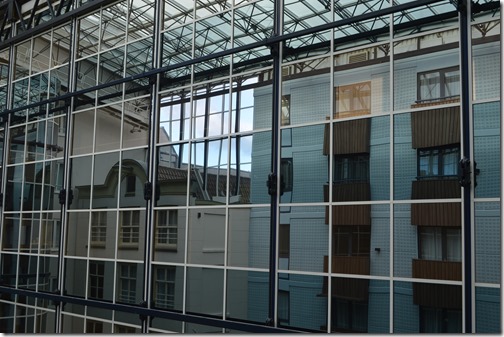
pixel 464 172
pixel 275 49
pixel 272 184
pixel 147 190
pixel 143 304
pixel 62 196
pixel 157 192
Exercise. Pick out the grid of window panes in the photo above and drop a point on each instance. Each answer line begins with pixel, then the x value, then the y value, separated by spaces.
pixel 370 210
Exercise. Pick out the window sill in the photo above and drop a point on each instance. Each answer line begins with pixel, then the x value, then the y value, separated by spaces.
pixel 128 246
pixel 166 248
pixel 439 101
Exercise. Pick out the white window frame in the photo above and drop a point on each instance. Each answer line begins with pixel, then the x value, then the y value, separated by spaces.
pixel 98 229
pixel 129 232
pixel 127 283
pixel 166 236
pixel 96 291
pixel 165 287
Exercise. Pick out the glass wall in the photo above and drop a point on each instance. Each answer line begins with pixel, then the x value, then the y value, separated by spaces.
pixel 211 167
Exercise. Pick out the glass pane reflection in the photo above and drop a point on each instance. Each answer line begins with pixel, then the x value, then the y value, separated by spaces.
pixel 205 291
pixel 247 295
pixel 427 308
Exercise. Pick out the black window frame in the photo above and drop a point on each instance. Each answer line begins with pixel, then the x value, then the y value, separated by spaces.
pixel 442 83
pixel 349 162
pixel 351 310
pixel 442 151
pixel 444 243
pixel 356 237
pixel 286 174
pixel 443 328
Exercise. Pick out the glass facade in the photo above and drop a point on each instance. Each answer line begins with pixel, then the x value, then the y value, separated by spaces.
pixel 235 166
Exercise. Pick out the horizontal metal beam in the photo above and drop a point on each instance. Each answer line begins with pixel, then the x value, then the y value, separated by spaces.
pixel 271 41
pixel 56 21
pixel 266 42
pixel 142 311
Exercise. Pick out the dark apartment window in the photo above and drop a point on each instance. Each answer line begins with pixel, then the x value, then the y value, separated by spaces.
pixel 351 168
pixel 439 84
pixel 165 287
pixel 130 185
pixel 283 307
pixel 438 162
pixel 351 240
pixel 285 117
pixel 349 315
pixel 96 279
pixel 286 174
pixel 94 326
pixel 124 329
pixel 284 241
pixel 435 320
pixel 127 283
pixel 439 243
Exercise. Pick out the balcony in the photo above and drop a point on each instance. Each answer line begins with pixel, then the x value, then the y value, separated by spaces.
pixel 348 288
pixel 438 270
pixel 439 213
pixel 437 295
pixel 435 127
pixel 436 102
pixel 344 215
pixel 348 264
pixel 349 137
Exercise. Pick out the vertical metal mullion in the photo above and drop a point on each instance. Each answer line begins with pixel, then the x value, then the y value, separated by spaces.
pixel 391 169
pixel 238 137
pixel 330 157
pixel 6 137
pixel 206 143
pixel 151 159
pixel 277 79
pixel 67 170
pixel 465 56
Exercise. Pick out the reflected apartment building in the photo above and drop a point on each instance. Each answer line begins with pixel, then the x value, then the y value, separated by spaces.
pixel 250 166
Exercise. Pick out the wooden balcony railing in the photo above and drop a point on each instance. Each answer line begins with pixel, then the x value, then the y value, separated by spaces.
pixel 435 189
pixel 348 264
pixel 348 288
pixel 421 104
pixel 349 137
pixel 438 270
pixel 435 127
pixel 437 295
pixel 436 214
pixel 344 215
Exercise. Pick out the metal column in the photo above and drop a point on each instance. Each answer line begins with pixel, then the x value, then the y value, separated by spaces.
pixel 465 67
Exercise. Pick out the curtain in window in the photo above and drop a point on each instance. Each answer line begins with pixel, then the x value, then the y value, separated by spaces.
pixel 431 243
pixel 453 245
pixel 341 314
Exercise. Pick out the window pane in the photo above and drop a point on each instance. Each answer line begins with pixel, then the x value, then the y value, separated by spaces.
pixel 430 87
pixel 431 243
pixel 452 83
pixel 453 245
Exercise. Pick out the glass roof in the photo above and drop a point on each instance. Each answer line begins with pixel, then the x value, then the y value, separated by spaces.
pixel 219 25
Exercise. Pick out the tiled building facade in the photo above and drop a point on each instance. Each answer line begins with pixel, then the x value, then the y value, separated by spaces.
pixel 250 166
